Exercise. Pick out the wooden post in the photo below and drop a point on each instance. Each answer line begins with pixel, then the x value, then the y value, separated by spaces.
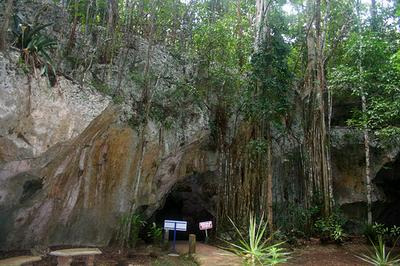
pixel 64 261
pixel 90 260
pixel 165 244
pixel 166 236
pixel 192 244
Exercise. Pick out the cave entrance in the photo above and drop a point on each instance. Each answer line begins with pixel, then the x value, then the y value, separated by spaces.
pixel 387 181
pixel 192 200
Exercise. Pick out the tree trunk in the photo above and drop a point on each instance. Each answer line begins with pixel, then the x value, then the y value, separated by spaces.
pixel 261 10
pixel 239 34
pixel 364 110
pixel 112 13
pixel 326 175
pixel 4 27
pixel 112 10
pixel 367 164
pixel 373 15
pixel 269 180
pixel 317 136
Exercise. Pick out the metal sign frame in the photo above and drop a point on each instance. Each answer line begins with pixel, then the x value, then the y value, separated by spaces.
pixel 176 226
pixel 205 225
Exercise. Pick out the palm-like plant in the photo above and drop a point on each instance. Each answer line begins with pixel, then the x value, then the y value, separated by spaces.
pixel 37 51
pixel 34 46
pixel 256 247
pixel 379 257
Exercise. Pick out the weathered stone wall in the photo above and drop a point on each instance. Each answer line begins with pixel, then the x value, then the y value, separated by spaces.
pixel 35 116
pixel 69 166
pixel 348 169
pixel 91 183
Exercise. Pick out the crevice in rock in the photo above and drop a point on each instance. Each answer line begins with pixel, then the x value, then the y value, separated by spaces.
pixel 30 187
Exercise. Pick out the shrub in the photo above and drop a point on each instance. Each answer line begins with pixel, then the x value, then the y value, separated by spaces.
pixel 294 220
pixel 331 228
pixel 130 225
pixel 395 232
pixel 35 46
pixel 155 233
pixel 376 230
pixel 256 247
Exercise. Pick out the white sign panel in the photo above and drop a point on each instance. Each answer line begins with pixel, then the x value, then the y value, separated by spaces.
pixel 175 225
pixel 205 225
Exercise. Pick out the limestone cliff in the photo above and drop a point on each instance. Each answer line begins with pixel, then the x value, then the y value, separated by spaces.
pixel 80 194
pixel 72 161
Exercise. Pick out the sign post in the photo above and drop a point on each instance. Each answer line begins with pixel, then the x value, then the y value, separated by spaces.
pixel 176 226
pixel 204 226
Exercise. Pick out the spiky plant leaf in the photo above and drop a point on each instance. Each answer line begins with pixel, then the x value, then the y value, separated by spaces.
pixel 257 247
pixel 379 257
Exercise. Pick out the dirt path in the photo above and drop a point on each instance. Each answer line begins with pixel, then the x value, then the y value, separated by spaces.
pixel 210 255
pixel 313 255
pixel 207 255
pixel 328 255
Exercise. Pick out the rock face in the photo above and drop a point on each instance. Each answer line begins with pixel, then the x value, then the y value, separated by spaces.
pixel 35 116
pixel 348 168
pixel 78 196
pixel 70 165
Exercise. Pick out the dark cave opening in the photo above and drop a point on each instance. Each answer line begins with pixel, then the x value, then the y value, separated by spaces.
pixel 387 181
pixel 192 200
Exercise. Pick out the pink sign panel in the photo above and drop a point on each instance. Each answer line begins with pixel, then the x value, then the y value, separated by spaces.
pixel 205 225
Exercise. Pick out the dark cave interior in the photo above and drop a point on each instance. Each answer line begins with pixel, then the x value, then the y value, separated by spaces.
pixel 189 201
pixel 387 180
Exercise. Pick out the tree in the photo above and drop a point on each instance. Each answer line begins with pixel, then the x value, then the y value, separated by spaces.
pixel 4 27
pixel 366 69
pixel 314 95
pixel 364 110
pixel 272 80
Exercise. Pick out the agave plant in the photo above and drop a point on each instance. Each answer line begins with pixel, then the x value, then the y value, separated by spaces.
pixel 256 247
pixel 34 46
pixel 37 49
pixel 25 32
pixel 379 256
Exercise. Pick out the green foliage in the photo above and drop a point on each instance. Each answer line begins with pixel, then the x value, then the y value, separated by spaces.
pixel 377 230
pixel 129 228
pixel 331 228
pixel 395 231
pixel 268 96
pixel 257 146
pixel 368 66
pixel 220 51
pixel 155 233
pixel 295 220
pixel 35 47
pixel 101 86
pixel 379 256
pixel 256 246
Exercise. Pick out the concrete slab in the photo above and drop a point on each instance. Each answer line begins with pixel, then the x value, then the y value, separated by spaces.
pixel 76 252
pixel 17 261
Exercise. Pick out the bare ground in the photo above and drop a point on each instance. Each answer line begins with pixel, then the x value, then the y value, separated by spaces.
pixel 313 254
